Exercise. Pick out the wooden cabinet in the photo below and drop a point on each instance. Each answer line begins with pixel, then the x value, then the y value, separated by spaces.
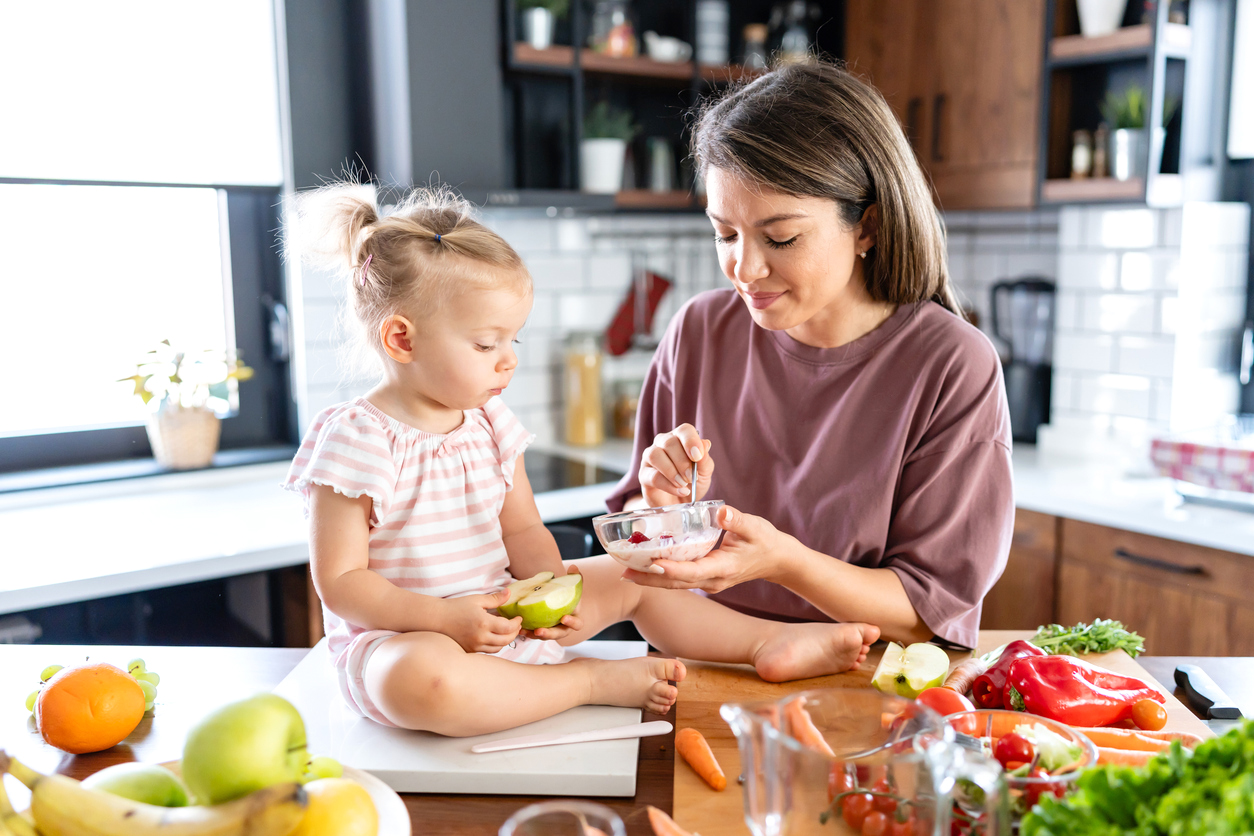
pixel 964 78
pixel 1023 599
pixel 1185 600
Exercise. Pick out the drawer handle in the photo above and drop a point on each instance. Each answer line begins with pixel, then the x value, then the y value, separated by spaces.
pixel 1155 563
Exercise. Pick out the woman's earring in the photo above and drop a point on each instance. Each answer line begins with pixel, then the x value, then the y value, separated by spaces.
pixel 862 255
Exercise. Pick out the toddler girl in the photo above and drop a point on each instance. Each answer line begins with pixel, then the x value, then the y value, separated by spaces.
pixel 421 513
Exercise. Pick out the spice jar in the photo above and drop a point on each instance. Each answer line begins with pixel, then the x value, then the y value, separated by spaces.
pixel 585 422
pixel 1081 154
pixel 755 46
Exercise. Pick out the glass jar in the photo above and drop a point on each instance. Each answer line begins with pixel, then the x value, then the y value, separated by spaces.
pixel 626 402
pixel 755 47
pixel 1081 154
pixel 612 32
pixel 585 421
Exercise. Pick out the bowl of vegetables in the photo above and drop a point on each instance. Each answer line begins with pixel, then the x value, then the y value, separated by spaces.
pixel 1040 756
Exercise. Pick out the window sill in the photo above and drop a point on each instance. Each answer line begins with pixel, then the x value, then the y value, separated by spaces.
pixel 60 477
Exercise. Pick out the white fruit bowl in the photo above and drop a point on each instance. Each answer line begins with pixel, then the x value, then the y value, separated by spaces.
pixel 672 532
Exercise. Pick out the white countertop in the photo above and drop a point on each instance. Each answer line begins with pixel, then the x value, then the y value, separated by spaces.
pixel 71 544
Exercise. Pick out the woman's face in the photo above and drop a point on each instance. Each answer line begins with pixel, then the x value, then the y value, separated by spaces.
pixel 792 259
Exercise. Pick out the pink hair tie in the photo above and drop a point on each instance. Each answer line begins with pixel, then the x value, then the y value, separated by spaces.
pixel 364 268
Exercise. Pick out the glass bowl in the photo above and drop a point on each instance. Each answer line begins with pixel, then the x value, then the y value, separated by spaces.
pixel 992 723
pixel 672 532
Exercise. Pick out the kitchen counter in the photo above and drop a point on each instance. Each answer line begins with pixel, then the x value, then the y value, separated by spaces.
pixel 90 541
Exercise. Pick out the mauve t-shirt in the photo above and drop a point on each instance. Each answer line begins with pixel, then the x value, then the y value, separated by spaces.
pixel 891 451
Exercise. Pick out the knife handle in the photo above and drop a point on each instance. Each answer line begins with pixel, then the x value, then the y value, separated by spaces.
pixel 1204 695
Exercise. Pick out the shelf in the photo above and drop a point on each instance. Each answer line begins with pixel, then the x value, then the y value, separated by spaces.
pixel 640 65
pixel 554 57
pixel 645 199
pixel 1092 189
pixel 1128 42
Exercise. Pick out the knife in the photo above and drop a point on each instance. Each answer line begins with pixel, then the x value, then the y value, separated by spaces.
pixel 1207 698
pixel 649 729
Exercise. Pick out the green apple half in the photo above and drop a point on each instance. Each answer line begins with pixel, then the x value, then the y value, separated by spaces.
pixel 543 600
pixel 910 671
pixel 243 747
pixel 149 783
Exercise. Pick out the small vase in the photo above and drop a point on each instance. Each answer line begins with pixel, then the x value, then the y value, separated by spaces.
pixel 601 165
pixel 1128 149
pixel 537 27
pixel 1100 17
pixel 184 438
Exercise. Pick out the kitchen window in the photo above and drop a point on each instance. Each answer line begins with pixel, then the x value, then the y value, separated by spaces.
pixel 141 171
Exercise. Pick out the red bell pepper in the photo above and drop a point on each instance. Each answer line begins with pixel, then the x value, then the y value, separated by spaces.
pixel 1072 691
pixel 988 688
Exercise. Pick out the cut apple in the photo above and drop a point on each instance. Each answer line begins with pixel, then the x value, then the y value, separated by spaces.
pixel 910 671
pixel 550 601
pixel 519 590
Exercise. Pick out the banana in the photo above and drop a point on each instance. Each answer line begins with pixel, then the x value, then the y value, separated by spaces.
pixel 64 807
pixel 11 822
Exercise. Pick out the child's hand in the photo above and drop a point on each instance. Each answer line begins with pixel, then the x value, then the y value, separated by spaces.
pixel 570 623
pixel 477 630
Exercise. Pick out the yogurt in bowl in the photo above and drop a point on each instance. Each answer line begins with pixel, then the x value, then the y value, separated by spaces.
pixel 673 532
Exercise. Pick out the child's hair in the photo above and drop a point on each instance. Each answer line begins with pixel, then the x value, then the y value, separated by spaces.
pixel 407 261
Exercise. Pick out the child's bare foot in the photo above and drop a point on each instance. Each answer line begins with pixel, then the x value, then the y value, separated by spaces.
pixel 635 683
pixel 800 651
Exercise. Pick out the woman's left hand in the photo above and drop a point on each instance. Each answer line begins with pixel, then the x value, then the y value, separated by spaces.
pixel 750 550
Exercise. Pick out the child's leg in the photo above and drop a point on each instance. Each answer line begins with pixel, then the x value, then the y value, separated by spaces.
pixel 426 681
pixel 681 623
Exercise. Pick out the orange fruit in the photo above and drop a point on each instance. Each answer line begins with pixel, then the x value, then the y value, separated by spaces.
pixel 89 707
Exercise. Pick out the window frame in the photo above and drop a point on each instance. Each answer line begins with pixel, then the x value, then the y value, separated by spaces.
pixel 267 410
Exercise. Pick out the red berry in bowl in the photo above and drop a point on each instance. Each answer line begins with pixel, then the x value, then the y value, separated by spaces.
pixel 637 537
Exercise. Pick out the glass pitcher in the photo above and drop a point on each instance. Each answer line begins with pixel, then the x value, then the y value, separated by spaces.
pixel 894 768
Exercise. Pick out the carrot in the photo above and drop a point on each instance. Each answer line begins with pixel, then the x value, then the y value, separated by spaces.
pixel 966 672
pixel 801 726
pixel 1124 757
pixel 662 824
pixel 695 749
pixel 1149 741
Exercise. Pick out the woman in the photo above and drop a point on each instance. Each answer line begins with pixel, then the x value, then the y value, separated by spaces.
pixel 858 422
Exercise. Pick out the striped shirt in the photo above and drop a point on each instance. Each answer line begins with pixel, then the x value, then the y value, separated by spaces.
pixel 436 501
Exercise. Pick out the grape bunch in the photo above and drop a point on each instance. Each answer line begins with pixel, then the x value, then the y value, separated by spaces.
pixel 148 681
pixel 44 675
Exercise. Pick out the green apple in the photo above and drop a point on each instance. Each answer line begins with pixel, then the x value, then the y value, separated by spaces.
pixel 519 590
pixel 146 782
pixel 243 747
pixel 910 671
pixel 548 602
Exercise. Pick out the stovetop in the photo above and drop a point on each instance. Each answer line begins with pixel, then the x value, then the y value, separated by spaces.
pixel 548 472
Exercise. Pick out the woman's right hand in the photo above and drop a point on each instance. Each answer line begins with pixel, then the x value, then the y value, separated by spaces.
pixel 666 467
pixel 469 622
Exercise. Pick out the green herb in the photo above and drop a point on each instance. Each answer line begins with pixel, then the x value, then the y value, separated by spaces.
pixel 1102 636
pixel 1126 109
pixel 1177 793
pixel 605 122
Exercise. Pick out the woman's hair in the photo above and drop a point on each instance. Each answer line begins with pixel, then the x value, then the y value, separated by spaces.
pixel 816 130
pixel 407 261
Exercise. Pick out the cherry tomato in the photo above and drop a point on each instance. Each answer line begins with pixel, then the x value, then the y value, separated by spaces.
pixel 875 824
pixel 883 803
pixel 902 827
pixel 1032 792
pixel 948 701
pixel 1149 715
pixel 854 809
pixel 838 781
pixel 1013 747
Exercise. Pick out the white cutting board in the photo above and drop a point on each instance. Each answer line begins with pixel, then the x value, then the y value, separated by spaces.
pixel 410 761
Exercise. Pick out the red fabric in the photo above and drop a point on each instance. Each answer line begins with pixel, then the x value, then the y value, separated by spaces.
pixel 618 335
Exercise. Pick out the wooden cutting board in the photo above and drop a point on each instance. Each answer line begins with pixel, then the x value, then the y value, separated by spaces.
pixel 699 809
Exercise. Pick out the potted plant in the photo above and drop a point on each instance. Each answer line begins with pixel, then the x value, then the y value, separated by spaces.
pixel 1125 114
pixel 606 132
pixel 190 391
pixel 539 18
pixel 1100 17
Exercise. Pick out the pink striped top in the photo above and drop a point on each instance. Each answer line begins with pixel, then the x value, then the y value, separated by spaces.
pixel 436 501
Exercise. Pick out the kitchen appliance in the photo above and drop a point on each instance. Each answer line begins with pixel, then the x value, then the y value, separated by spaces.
pixel 411 761
pixel 877 741
pixel 1022 313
